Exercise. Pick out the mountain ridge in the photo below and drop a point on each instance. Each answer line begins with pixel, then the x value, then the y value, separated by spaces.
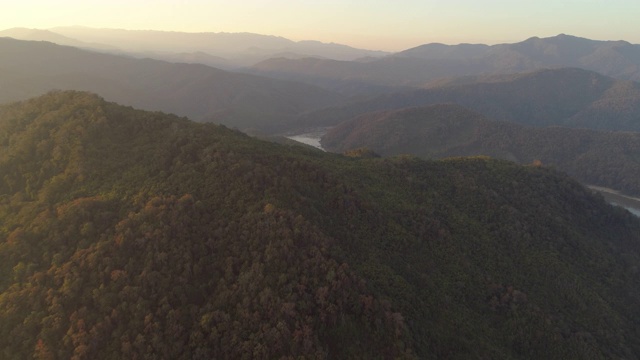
pixel 200 92
pixel 126 233
pixel 569 97
pixel 607 159
pixel 243 48
pixel 420 65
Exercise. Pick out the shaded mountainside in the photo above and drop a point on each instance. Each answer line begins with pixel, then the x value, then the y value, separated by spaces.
pixel 609 159
pixel 131 234
pixel 322 75
pixel 357 78
pixel 618 59
pixel 420 65
pixel 203 93
pixel 565 97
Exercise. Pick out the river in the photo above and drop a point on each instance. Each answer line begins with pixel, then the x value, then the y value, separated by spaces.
pixel 310 138
pixel 630 203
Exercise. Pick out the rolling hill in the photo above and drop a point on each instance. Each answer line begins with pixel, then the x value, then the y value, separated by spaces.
pixel 132 234
pixel 565 97
pixel 29 68
pixel 604 158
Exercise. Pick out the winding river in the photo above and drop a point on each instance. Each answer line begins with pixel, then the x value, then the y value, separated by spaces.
pixel 630 203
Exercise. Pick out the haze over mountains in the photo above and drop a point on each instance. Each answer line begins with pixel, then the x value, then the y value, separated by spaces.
pixel 562 97
pixel 567 97
pixel 203 93
pixel 315 62
pixel 50 36
pixel 421 65
pixel 224 50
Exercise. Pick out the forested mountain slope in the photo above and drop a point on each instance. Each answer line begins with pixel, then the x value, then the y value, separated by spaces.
pixel 131 234
pixel 203 93
pixel 604 158
pixel 565 97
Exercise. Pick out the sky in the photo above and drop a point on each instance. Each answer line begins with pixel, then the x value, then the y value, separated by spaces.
pixel 371 24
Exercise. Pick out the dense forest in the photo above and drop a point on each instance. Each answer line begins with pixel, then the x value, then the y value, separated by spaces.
pixel 132 234
pixel 605 158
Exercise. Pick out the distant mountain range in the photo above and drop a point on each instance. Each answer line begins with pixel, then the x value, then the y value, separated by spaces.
pixel 341 67
pixel 423 64
pixel 603 158
pixel 350 71
pixel 203 93
pixel 50 36
pixel 565 97
pixel 224 50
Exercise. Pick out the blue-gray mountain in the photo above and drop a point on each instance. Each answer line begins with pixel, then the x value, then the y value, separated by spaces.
pixel 224 50
pixel 568 97
pixel 203 93
pixel 419 66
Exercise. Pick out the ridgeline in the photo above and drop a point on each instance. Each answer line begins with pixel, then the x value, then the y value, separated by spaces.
pixel 132 234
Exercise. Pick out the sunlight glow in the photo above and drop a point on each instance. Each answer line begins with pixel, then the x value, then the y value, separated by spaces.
pixel 374 24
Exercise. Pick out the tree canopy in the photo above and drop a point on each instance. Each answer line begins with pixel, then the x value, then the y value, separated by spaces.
pixel 131 234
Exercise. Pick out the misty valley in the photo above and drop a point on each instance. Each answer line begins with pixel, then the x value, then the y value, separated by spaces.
pixel 173 195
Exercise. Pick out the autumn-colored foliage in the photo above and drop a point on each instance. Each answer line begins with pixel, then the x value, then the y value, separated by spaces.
pixel 131 235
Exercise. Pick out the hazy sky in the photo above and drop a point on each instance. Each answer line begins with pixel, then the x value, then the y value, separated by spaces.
pixel 373 24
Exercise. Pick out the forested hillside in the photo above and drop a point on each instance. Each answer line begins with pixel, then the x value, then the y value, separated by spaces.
pixel 604 158
pixel 564 97
pixel 131 234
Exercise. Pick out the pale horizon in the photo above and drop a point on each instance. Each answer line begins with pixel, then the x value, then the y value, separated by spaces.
pixel 378 25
